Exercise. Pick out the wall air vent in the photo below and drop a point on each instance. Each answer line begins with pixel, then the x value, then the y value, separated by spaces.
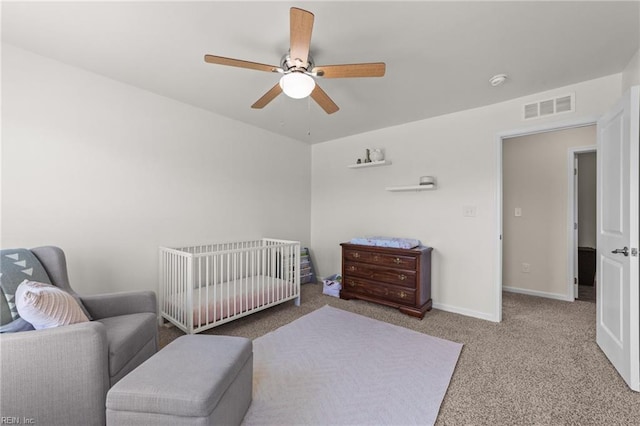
pixel 549 107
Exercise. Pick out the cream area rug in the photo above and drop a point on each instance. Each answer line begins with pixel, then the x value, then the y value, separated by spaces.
pixel 334 367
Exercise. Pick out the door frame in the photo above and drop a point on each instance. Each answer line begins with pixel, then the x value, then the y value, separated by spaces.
pixel 572 214
pixel 540 128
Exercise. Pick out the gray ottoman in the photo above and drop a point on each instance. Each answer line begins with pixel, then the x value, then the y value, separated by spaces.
pixel 194 380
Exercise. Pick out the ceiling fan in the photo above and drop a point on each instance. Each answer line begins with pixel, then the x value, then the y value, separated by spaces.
pixel 298 69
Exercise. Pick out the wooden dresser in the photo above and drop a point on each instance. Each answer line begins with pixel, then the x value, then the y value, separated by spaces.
pixel 400 278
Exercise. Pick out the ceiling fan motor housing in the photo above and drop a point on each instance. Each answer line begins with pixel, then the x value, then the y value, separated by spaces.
pixel 291 65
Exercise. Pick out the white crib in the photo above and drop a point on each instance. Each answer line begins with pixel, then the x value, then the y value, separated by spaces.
pixel 204 286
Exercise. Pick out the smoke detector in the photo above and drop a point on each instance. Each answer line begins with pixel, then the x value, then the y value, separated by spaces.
pixel 498 79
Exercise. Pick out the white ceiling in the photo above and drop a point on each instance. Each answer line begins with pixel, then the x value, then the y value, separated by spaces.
pixel 439 55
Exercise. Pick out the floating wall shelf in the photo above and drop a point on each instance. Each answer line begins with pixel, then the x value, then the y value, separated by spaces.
pixel 371 164
pixel 411 188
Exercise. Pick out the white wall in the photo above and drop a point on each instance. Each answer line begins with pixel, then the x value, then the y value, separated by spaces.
pixel 110 172
pixel 535 180
pixel 631 73
pixel 461 150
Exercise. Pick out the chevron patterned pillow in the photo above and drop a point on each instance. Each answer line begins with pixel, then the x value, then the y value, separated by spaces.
pixel 17 265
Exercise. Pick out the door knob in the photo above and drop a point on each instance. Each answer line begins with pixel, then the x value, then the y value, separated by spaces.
pixel 624 251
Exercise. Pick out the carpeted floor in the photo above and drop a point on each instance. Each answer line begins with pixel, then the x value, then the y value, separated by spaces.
pixel 587 293
pixel 540 365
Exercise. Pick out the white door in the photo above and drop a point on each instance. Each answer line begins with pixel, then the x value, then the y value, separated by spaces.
pixel 617 301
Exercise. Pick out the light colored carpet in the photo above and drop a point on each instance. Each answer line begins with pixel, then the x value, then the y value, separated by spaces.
pixel 335 367
pixel 539 366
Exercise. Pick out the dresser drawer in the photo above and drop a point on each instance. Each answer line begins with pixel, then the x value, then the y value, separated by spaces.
pixel 398 294
pixel 385 275
pixel 382 259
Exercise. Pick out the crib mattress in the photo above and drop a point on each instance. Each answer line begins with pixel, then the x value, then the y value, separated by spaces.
pixel 219 301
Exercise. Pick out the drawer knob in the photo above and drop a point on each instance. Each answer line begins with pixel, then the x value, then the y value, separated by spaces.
pixel 356 255
pixel 352 268
pixel 403 295
pixel 376 258
pixel 402 277
pixel 397 261
pixel 351 283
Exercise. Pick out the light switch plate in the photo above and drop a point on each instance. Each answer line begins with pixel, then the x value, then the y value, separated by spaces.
pixel 518 211
pixel 469 211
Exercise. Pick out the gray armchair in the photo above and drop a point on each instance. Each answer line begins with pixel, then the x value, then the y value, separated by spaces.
pixel 61 376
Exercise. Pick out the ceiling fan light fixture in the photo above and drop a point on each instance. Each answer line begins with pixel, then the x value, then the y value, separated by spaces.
pixel 297 85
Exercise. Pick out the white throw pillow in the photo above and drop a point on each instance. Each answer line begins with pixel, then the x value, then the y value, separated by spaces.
pixel 47 306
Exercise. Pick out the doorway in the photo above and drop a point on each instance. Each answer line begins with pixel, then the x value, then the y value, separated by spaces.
pixel 540 234
pixel 617 309
pixel 584 241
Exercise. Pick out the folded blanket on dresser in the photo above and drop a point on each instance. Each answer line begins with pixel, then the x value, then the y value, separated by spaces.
pixel 405 243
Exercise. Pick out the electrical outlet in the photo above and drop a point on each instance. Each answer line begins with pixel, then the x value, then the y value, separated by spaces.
pixel 518 212
pixel 469 211
pixel 526 268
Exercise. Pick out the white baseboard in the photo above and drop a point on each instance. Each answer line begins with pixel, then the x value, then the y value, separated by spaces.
pixel 456 310
pixel 537 293
pixel 465 312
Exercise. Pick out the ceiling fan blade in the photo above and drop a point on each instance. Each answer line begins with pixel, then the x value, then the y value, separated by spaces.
pixel 324 100
pixel 267 97
pixel 374 69
pixel 301 23
pixel 220 60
